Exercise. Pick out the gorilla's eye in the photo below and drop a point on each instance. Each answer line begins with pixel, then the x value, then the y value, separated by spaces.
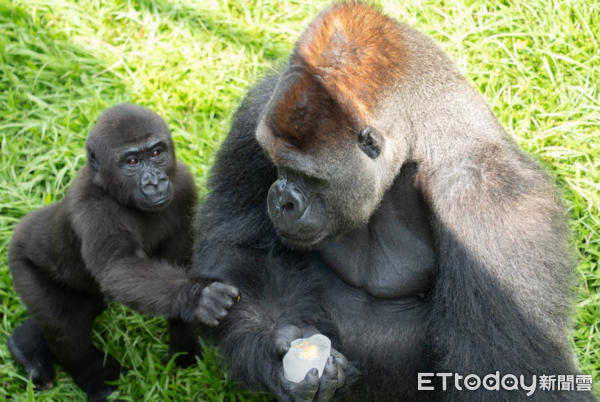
pixel 156 153
pixel 133 161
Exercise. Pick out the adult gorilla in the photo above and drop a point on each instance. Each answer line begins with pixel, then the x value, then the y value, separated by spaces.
pixel 368 192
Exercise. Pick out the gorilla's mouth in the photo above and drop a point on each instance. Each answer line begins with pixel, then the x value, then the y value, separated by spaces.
pixel 298 216
pixel 302 231
pixel 162 202
pixel 158 203
pixel 303 240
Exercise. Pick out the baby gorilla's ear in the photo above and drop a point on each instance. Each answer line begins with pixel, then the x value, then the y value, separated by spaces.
pixel 93 161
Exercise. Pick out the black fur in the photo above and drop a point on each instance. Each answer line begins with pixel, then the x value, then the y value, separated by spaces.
pixel 464 321
pixel 110 239
pixel 444 251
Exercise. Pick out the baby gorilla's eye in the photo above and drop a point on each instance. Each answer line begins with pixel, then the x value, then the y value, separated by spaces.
pixel 132 161
pixel 156 153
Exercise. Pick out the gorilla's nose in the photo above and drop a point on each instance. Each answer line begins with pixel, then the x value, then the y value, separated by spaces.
pixel 287 201
pixel 154 182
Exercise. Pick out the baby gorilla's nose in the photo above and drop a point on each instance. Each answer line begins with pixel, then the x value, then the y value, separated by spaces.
pixel 154 182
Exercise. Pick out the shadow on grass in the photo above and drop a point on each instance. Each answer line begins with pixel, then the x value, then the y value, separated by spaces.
pixel 198 17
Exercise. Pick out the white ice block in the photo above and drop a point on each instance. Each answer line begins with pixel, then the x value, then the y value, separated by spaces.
pixel 305 354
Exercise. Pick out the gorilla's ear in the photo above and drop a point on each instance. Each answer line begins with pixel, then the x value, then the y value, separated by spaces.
pixel 93 160
pixel 369 141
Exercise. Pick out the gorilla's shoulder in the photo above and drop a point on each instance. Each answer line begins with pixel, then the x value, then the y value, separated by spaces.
pixel 84 196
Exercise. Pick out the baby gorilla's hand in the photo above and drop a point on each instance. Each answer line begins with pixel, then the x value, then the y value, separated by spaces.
pixel 210 304
pixel 215 302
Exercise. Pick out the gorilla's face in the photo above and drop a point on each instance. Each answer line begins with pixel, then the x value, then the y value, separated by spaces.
pixel 146 169
pixel 324 192
pixel 297 207
pixel 131 151
pixel 334 167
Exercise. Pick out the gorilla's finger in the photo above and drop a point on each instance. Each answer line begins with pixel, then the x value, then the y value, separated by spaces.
pixel 328 382
pixel 282 346
pixel 222 302
pixel 340 359
pixel 309 331
pixel 281 349
pixel 220 314
pixel 228 290
pixel 208 316
pixel 289 332
pixel 284 337
pixel 306 390
pixel 210 321
pixel 341 378
pixel 227 303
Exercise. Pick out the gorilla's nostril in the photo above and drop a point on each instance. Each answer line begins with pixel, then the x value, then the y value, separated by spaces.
pixel 286 203
pixel 288 207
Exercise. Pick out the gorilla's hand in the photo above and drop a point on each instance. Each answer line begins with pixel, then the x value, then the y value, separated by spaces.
pixel 284 336
pixel 212 305
pixel 316 389
pixel 312 388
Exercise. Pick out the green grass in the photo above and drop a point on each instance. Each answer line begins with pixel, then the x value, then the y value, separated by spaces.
pixel 63 61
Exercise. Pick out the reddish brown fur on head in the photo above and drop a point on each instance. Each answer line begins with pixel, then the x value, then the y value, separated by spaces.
pixel 345 59
pixel 303 114
pixel 357 52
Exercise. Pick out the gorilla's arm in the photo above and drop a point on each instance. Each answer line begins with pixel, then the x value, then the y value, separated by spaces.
pixel 500 302
pixel 113 255
pixel 282 297
pixel 235 211
pixel 237 244
pixel 128 276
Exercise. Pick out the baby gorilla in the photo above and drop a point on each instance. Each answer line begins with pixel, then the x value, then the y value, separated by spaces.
pixel 122 233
